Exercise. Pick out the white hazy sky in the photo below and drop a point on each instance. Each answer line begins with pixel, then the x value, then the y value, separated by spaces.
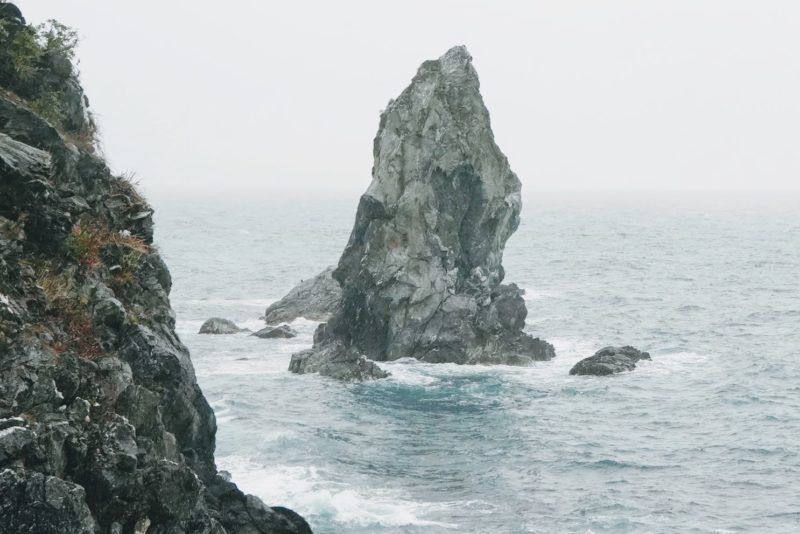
pixel 584 95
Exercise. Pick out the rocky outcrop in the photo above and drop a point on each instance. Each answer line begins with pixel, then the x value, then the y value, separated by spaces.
pixel 103 427
pixel 421 274
pixel 314 299
pixel 609 361
pixel 283 331
pixel 217 325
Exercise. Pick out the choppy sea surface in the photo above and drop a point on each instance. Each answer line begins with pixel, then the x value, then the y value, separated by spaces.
pixel 705 438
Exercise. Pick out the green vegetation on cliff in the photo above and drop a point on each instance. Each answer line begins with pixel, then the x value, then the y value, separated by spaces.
pixel 37 70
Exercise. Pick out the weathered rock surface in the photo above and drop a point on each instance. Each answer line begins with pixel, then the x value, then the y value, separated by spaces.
pixel 421 274
pixel 274 332
pixel 314 299
pixel 217 325
pixel 103 427
pixel 609 361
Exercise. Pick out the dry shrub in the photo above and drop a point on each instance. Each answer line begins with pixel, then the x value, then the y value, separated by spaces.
pixel 70 307
pixel 127 184
pixel 88 239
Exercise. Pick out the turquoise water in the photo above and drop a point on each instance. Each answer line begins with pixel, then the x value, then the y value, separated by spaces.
pixel 702 439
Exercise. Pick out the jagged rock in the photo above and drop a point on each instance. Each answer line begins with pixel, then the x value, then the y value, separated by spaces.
pixel 314 299
pixel 32 503
pixel 272 332
pixel 337 361
pixel 609 361
pixel 421 274
pixel 13 441
pixel 103 427
pixel 11 15
pixel 217 325
pixel 23 160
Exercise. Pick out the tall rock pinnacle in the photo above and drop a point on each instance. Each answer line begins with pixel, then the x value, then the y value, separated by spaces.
pixel 421 274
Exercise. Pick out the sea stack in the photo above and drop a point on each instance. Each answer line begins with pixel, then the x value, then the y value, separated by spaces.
pixel 421 274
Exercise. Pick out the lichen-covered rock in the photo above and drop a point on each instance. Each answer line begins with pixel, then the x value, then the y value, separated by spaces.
pixel 314 299
pixel 609 361
pixel 283 331
pixel 217 325
pixel 103 427
pixel 421 274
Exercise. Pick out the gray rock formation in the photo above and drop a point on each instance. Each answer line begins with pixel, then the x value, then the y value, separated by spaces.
pixel 218 325
pixel 283 331
pixel 103 427
pixel 314 299
pixel 421 274
pixel 609 361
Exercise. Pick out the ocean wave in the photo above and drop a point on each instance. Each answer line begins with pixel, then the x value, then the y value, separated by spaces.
pixel 305 490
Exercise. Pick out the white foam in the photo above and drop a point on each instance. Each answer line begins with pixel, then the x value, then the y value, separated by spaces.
pixel 409 372
pixel 303 489
pixel 676 362
pixel 535 294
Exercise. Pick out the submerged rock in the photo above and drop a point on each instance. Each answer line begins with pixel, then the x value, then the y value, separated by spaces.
pixel 609 361
pixel 314 299
pixel 273 332
pixel 217 325
pixel 421 274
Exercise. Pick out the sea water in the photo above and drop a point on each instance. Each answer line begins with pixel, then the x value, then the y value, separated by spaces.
pixel 704 438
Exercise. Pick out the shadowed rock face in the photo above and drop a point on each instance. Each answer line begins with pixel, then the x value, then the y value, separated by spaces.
pixel 421 274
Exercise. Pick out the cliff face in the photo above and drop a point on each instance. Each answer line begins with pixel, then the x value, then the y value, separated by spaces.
pixel 421 275
pixel 103 427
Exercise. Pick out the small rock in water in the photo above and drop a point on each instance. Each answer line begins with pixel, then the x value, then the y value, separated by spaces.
pixel 273 332
pixel 609 361
pixel 217 325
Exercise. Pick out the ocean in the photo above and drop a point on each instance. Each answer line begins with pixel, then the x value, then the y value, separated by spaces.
pixel 704 438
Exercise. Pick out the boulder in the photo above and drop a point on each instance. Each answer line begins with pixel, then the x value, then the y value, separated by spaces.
pixel 609 361
pixel 422 273
pixel 217 325
pixel 274 332
pixel 314 299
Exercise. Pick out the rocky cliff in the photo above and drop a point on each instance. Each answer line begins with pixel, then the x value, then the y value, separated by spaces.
pixel 103 427
pixel 421 275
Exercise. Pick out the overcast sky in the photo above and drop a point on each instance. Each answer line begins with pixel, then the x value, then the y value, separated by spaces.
pixel 584 95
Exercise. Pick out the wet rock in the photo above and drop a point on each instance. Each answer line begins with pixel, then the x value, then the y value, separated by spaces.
pixel 217 325
pixel 421 274
pixel 313 299
pixel 609 361
pixel 248 515
pixel 273 332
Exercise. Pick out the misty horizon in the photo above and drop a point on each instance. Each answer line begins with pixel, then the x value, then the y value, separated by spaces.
pixel 680 97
